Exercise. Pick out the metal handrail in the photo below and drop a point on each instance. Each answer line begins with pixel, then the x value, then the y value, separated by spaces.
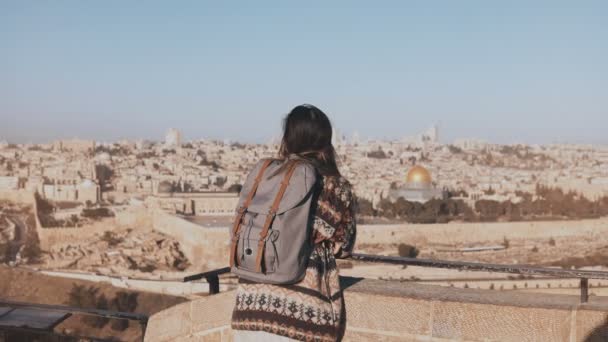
pixel 481 267
pixel 583 275
pixel 141 318
pixel 212 277
pixel 70 309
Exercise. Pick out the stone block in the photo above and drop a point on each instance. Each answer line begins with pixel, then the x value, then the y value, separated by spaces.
pixel 388 314
pixel 213 312
pixel 170 324
pixel 477 322
pixel 356 336
pixel 227 335
pixel 591 326
pixel 215 336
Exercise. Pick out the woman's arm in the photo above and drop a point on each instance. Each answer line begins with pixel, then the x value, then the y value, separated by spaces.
pixel 347 232
pixel 336 221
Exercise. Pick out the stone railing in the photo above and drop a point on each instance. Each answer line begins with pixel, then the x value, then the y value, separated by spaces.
pixel 392 311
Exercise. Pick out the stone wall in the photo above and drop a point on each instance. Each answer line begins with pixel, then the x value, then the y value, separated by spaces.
pixel 136 217
pixel 462 233
pixel 206 248
pixel 212 244
pixel 18 196
pixel 392 311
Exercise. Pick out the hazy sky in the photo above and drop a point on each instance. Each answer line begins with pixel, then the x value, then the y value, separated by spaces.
pixel 504 71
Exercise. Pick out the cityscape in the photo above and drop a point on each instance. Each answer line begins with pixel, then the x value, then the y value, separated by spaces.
pixel 150 212
pixel 449 159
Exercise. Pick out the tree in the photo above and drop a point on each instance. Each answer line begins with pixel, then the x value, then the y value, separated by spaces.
pixel 5 252
pixel 101 304
pixel 123 302
pixel 235 188
pixel 32 252
pixel 454 149
pixel 489 191
pixel 488 209
pixel 365 207
pixel 387 208
pixel 378 154
pixel 81 296
pixel 407 251
pixel 104 175
pixel 96 213
pixel 220 181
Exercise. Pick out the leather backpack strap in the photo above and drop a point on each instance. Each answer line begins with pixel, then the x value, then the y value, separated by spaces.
pixel 242 209
pixel 272 213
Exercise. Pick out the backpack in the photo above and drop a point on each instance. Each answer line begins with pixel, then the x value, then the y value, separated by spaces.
pixel 271 235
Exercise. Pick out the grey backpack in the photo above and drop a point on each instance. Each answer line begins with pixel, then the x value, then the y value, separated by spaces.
pixel 271 236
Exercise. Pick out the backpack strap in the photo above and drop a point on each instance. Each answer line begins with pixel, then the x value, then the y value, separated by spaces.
pixel 272 213
pixel 243 209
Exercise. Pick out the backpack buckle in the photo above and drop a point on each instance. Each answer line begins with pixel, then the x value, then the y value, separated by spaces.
pixel 272 213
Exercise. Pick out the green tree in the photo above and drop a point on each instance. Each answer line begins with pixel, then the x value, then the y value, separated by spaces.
pixel 123 302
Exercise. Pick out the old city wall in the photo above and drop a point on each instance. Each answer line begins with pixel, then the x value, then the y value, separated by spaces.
pixel 466 233
pixel 18 196
pixel 206 248
pixel 25 197
pixel 136 218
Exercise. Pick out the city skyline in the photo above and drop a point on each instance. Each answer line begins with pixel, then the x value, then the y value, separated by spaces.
pixel 416 139
pixel 504 73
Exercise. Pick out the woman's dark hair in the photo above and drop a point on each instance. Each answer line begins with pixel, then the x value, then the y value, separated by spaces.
pixel 307 134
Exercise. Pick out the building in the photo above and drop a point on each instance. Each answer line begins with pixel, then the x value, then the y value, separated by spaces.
pixel 428 137
pixel 73 191
pixel 75 145
pixel 470 144
pixel 196 203
pixel 9 183
pixel 418 187
pixel 431 135
pixel 173 138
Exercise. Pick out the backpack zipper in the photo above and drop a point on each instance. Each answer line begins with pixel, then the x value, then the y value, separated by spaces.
pixel 246 240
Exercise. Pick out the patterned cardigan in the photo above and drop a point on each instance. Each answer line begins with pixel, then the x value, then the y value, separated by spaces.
pixel 313 309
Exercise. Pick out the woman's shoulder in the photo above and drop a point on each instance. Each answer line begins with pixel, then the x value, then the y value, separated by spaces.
pixel 339 188
pixel 337 182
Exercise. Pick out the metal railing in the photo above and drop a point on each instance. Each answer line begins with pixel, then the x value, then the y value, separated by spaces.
pixel 212 277
pixel 583 275
pixel 140 318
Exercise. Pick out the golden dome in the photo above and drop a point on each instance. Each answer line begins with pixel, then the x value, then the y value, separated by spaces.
pixel 418 175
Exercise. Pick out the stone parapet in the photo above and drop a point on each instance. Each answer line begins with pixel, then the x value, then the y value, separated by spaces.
pixel 392 311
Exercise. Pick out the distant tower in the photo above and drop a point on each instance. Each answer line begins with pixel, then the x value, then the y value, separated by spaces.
pixel 434 133
pixel 356 138
pixel 336 137
pixel 431 135
pixel 274 141
pixel 173 138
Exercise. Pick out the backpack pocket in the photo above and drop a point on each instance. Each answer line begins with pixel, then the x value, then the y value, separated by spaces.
pixel 248 252
pixel 247 249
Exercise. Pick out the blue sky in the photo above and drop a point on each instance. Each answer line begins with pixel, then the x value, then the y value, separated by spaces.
pixel 504 71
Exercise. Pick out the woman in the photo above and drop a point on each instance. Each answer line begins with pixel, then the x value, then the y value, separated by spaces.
pixel 312 309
